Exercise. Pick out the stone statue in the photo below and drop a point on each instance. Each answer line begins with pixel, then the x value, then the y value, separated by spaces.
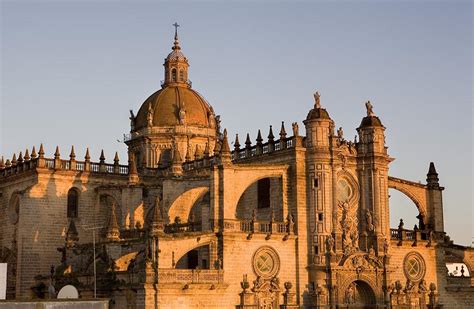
pixel 317 100
pixel 330 244
pixel 401 225
pixel 132 121
pixel 182 114
pixel 218 124
pixel 369 107
pixel 385 246
pixel 350 294
pixel 340 133
pixel 295 127
pixel 149 115
pixel 369 220
pixel 212 121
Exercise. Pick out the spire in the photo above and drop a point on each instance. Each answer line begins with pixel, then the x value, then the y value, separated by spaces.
pixel 207 150
pixel 198 153
pixel 56 153
pixel 248 143
pixel 102 157
pixel 72 155
pixel 116 158
pixel 271 137
pixel 259 138
pixel 33 153
pixel 41 151
pixel 176 155
pixel 187 158
pixel 87 157
pixel 236 143
pixel 20 157
pixel 113 232
pixel 27 155
pixel 14 159
pixel 432 176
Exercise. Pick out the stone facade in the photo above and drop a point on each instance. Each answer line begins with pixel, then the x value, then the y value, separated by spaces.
pixel 300 220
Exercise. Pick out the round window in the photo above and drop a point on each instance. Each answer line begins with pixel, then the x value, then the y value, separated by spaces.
pixel 414 266
pixel 266 262
pixel 344 191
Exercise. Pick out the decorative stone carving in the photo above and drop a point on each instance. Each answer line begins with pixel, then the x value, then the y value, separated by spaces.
pixel 414 266
pixel 317 99
pixel 369 221
pixel 266 263
pixel 349 227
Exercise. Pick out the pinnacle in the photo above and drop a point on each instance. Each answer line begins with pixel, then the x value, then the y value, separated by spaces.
pixel 225 143
pixel 33 152
pixel 56 153
pixel 87 157
pixel 270 134
pixel 72 155
pixel 116 158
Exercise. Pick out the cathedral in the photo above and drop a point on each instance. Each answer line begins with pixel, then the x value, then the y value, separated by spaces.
pixel 296 219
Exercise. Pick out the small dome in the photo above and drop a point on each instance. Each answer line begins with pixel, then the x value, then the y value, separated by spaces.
pixel 371 121
pixel 318 113
pixel 166 105
pixel 176 55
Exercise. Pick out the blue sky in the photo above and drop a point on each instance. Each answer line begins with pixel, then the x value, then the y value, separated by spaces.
pixel 71 70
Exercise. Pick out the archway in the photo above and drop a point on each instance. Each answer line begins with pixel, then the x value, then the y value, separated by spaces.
pixel 181 206
pixel 359 294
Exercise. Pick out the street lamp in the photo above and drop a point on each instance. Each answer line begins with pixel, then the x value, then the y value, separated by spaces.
pixel 93 229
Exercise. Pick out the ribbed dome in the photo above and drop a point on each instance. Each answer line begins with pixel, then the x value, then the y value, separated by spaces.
pixel 371 121
pixel 175 55
pixel 167 103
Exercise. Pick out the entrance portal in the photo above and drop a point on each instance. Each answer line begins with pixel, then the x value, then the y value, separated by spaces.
pixel 359 294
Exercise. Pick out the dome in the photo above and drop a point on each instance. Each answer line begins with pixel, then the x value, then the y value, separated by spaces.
pixel 318 113
pixel 176 55
pixel 166 105
pixel 371 121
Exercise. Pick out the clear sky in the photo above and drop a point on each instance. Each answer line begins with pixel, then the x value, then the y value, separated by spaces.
pixel 71 70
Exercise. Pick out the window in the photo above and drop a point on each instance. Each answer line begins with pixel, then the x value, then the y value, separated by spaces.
pixel 72 203
pixel 173 75
pixel 263 192
pixel 181 75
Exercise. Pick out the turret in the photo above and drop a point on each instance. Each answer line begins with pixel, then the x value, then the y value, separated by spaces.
pixel 434 200
pixel 319 126
pixel 372 165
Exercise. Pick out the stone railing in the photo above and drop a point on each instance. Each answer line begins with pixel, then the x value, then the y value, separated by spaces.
pixel 187 276
pixel 415 236
pixel 264 148
pixel 58 164
pixel 256 227
pixel 182 227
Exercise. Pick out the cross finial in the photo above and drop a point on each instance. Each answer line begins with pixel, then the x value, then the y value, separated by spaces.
pixel 175 25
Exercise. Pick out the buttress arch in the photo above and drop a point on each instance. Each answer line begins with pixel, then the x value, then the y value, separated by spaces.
pixel 182 205
pixel 415 191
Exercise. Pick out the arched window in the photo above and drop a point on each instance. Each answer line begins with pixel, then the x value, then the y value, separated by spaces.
pixel 181 75
pixel 72 203
pixel 173 75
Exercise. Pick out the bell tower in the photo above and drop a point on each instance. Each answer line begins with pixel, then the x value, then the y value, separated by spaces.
pixel 372 167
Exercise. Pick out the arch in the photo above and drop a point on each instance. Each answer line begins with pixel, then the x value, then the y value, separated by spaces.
pixel 196 258
pixel 173 75
pixel 358 291
pixel 181 75
pixel 416 192
pixel 264 195
pixel 182 205
pixel 73 203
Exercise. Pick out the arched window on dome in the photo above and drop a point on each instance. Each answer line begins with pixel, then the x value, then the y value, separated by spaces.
pixel 181 75
pixel 173 75
pixel 72 203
